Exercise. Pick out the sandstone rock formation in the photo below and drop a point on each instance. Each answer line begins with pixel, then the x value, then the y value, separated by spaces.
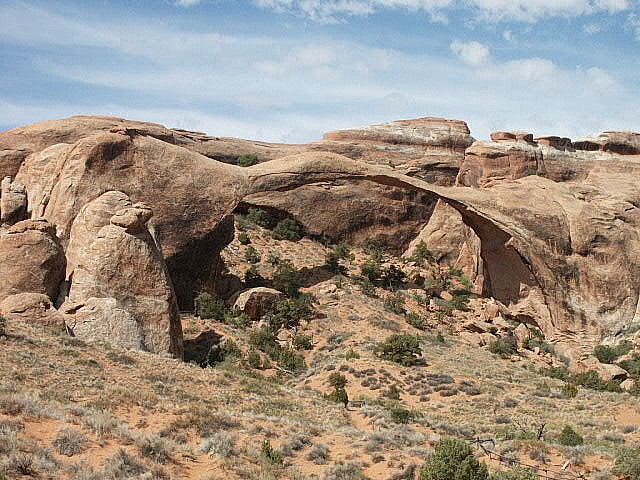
pixel 120 289
pixel 257 301
pixel 31 259
pixel 558 248
pixel 32 308
pixel 13 201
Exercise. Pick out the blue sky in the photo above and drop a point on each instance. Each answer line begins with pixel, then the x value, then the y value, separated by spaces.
pixel 290 70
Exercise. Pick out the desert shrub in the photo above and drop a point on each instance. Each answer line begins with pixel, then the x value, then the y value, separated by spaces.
pixel 237 319
pixel 265 340
pixel 373 246
pixel 609 354
pixel 290 312
pixel 261 218
pixel 251 255
pixel 416 321
pixel 208 306
pixel 400 348
pixel 371 269
pixel 570 437
pixel 295 443
pixel 247 160
pixel 532 343
pixel 422 254
pixel 122 465
pixel 504 346
pixel 290 360
pixel 154 447
pixel 592 380
pixel 3 325
pixel 285 277
pixel 252 277
pixel 270 454
pixel 366 286
pixel 632 365
pixel 220 443
pixel 560 373
pixel 243 238
pixel 569 390
pixel 628 463
pixel 395 303
pixel 351 355
pixel 254 359
pixel 318 454
pixel 517 473
pixel 401 415
pixel 344 471
pixel 339 394
pixel 288 229
pixel 342 251
pixel 452 458
pixel 70 442
pixel 21 464
pixel 302 342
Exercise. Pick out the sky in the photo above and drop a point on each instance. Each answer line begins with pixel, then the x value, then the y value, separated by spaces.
pixel 291 70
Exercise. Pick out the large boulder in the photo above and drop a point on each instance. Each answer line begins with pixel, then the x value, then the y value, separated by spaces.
pixel 13 201
pixel 120 288
pixel 31 307
pixel 31 259
pixel 255 302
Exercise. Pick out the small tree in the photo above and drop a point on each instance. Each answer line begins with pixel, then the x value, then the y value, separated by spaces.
pixel 288 229
pixel 247 160
pixel 570 437
pixel 341 251
pixel 3 325
pixel 453 459
pixel 286 278
pixel 251 255
pixel 209 306
pixel 339 394
pixel 400 348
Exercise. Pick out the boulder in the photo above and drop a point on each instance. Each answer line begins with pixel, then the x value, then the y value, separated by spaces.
pixel 522 334
pixel 628 385
pixel 31 259
pixel 120 289
pixel 255 302
pixel 604 370
pixel 31 307
pixel 13 201
pixel 511 136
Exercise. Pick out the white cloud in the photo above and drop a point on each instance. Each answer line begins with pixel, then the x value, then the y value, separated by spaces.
pixel 473 53
pixel 591 28
pixel 187 3
pixel 508 36
pixel 633 21
pixel 332 11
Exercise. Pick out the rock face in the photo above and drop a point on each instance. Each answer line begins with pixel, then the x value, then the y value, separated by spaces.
pixel 31 307
pixel 13 201
pixel 120 288
pixel 255 302
pixel 31 259
pixel 558 248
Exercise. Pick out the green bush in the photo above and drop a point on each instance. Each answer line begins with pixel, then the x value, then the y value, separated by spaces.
pixel 290 312
pixel 208 306
pixel 422 254
pixel 261 218
pixel 251 255
pixel 288 229
pixel 243 238
pixel 252 277
pixel 517 473
pixel 333 257
pixel 560 373
pixel 400 348
pixel 3 325
pixel 339 394
pixel 302 342
pixel 270 454
pixel 416 321
pixel 395 303
pixel 504 346
pixel 289 360
pixel 266 340
pixel 401 415
pixel 570 437
pixel 632 365
pixel 592 380
pixel 570 390
pixel 247 160
pixel 532 343
pixel 453 459
pixel 351 355
pixel 286 278
pixel 254 359
pixel 628 463
pixel 609 354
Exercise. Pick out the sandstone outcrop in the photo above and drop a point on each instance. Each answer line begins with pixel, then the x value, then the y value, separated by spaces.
pixel 13 201
pixel 120 289
pixel 32 308
pixel 31 259
pixel 257 301
pixel 558 248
